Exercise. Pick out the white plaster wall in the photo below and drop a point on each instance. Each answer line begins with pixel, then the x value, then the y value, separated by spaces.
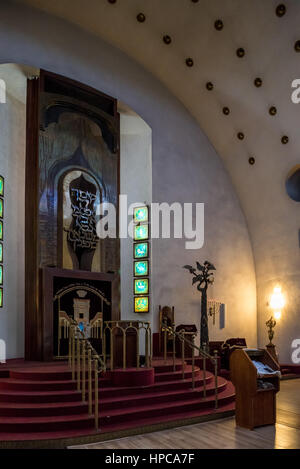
pixel 185 167
pixel 12 167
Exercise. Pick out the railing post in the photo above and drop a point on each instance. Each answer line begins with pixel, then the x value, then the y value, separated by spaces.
pixel 138 347
pixel 147 348
pixel 73 352
pixel 182 353
pixel 90 384
pixel 165 344
pixel 83 370
pixel 96 395
pixel 78 364
pixel 204 373
pixel 111 350
pixel 151 345
pixel 216 379
pixel 124 349
pixel 70 346
pixel 193 364
pixel 174 347
pixel 104 345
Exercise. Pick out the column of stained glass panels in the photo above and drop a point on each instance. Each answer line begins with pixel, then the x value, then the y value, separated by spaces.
pixel 1 237
pixel 141 255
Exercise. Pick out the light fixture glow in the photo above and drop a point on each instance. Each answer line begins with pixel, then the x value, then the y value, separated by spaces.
pixel 277 302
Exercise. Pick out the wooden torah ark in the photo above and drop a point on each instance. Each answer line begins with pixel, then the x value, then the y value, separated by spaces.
pixel 255 406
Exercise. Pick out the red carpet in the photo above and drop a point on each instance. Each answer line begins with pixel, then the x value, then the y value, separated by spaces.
pixel 40 401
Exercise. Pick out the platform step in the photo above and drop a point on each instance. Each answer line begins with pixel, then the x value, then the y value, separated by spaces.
pixel 158 397
pixel 161 409
pixel 41 397
pixel 42 410
pixel 172 375
pixel 45 424
pixel 156 387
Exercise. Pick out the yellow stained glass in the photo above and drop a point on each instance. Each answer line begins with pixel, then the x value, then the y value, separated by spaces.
pixel 141 304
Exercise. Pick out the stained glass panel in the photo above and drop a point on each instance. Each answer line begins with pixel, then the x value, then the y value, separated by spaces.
pixel 1 252
pixel 1 230
pixel 141 286
pixel 141 268
pixel 1 185
pixel 1 208
pixel 1 274
pixel 141 304
pixel 1 297
pixel 141 250
pixel 141 214
pixel 141 232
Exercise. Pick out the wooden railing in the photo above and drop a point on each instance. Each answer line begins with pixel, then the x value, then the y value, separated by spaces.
pixel 202 353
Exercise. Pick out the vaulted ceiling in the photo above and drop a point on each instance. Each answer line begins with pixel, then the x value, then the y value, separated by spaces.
pixel 260 115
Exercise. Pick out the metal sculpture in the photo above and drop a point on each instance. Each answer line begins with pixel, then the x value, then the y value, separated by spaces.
pixel 204 279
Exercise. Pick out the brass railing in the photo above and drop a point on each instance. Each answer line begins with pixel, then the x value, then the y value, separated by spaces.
pixel 112 327
pixel 182 337
pixel 86 366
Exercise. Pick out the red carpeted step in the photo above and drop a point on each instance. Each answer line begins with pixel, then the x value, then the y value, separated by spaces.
pixel 171 375
pixel 41 397
pixel 43 436
pixel 156 387
pixel 160 366
pixel 158 397
pixel 30 385
pixel 42 410
pixel 45 424
pixel 58 373
pixel 163 409
pixel 225 410
pixel 39 402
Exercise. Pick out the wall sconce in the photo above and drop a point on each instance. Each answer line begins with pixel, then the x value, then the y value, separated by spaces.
pixel 277 303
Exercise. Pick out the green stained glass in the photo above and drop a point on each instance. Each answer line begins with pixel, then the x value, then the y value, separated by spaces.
pixel 141 286
pixel 1 252
pixel 1 274
pixel 1 185
pixel 141 214
pixel 141 232
pixel 141 250
pixel 1 208
pixel 1 230
pixel 1 297
pixel 141 304
pixel 141 268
